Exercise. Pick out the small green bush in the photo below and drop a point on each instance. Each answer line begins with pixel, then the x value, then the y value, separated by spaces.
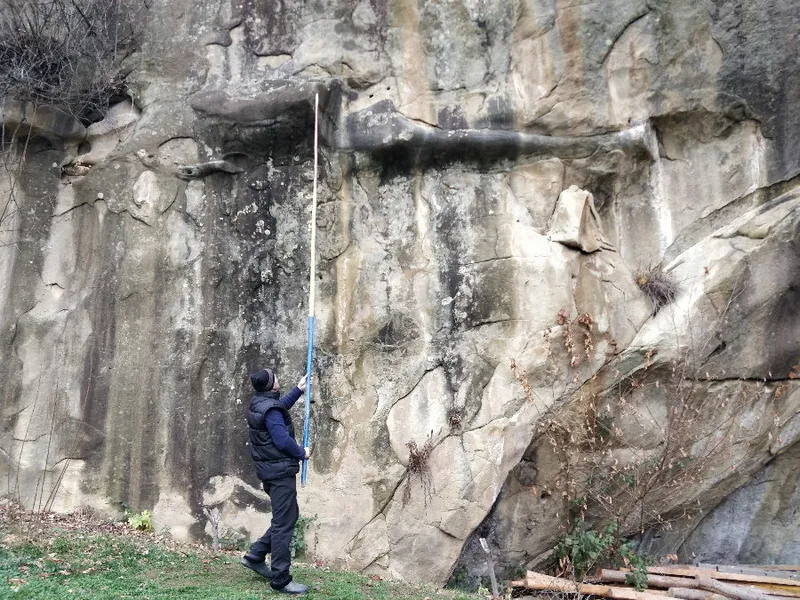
pixel 584 549
pixel 140 520
pixel 298 545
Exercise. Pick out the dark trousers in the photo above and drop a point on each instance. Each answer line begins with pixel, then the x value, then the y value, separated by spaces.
pixel 277 539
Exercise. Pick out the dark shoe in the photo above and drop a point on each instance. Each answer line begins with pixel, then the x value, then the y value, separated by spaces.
pixel 293 588
pixel 259 567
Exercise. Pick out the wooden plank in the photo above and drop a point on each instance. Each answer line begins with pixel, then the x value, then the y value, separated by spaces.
pixel 683 571
pixel 785 591
pixel 666 581
pixel 777 567
pixel 539 581
pixel 765 571
pixel 620 593
pixel 660 581
pixel 773 589
pixel 739 592
pixel 695 594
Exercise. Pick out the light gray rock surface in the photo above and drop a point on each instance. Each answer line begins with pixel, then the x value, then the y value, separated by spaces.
pixel 760 519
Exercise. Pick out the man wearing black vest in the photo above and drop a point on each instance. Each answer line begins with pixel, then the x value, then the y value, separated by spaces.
pixel 277 455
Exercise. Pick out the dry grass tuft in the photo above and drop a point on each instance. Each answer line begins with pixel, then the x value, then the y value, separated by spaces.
pixel 659 286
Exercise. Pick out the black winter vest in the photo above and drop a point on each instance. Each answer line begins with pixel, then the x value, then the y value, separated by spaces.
pixel 271 463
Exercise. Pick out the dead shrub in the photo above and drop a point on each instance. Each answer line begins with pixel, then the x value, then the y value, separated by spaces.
pixel 418 466
pixel 418 457
pixel 659 286
pixel 455 417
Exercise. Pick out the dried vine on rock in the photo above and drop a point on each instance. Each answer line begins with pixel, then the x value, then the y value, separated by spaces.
pixel 419 467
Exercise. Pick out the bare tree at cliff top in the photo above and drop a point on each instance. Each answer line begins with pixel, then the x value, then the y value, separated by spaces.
pixel 67 53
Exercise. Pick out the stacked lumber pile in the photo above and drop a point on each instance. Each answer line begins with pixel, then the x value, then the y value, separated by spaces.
pixel 702 582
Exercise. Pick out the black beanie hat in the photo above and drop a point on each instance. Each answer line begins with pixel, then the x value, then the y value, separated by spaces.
pixel 262 380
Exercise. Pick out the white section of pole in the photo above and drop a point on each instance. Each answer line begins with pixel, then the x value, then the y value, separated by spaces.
pixel 312 275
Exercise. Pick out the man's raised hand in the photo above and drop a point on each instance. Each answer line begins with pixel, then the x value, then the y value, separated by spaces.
pixel 303 383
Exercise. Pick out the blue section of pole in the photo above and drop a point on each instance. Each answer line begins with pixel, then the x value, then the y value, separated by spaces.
pixel 307 420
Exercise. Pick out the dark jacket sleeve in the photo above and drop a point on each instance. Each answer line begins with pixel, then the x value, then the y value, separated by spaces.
pixel 280 435
pixel 293 396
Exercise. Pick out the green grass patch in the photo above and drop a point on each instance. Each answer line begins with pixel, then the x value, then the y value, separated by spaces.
pixel 62 564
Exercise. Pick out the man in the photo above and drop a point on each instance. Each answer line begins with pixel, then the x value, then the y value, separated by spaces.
pixel 277 455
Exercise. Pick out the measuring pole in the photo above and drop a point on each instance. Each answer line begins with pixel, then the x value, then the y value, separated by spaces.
pixel 311 296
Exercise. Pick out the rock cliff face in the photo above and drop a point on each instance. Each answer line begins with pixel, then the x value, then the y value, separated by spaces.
pixel 140 287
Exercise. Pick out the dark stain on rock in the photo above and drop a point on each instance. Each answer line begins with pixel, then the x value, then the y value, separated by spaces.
pixel 327 429
pixel 500 114
pixel 276 31
pixel 398 331
pixel 97 372
pixel 452 117
pixel 756 72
